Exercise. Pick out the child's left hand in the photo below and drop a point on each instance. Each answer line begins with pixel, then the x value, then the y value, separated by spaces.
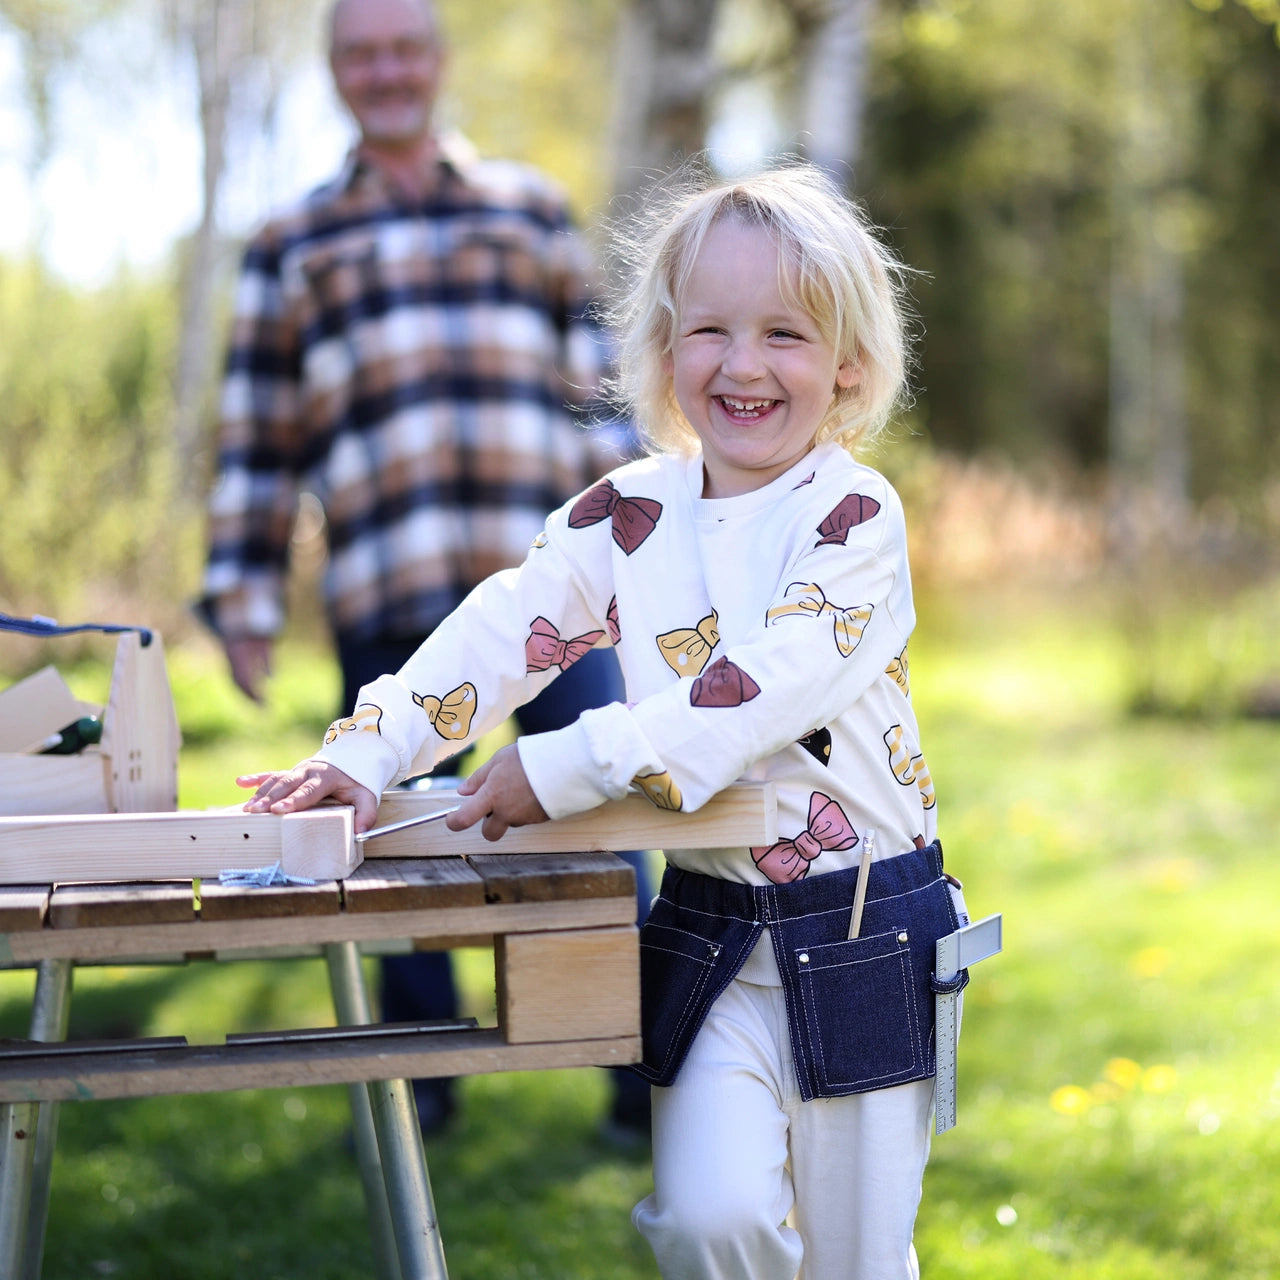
pixel 500 795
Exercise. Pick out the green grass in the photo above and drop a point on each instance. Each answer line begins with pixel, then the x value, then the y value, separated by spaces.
pixel 1119 1069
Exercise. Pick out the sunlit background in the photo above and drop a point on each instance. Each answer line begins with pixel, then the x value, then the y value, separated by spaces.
pixel 1090 190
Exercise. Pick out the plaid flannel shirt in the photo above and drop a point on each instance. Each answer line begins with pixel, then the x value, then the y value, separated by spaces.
pixel 418 368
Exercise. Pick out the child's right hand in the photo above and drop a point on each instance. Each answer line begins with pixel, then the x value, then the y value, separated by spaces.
pixel 304 786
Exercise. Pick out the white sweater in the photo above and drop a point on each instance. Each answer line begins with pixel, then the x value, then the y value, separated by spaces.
pixel 743 625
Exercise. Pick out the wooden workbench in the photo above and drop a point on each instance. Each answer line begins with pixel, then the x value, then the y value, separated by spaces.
pixel 567 994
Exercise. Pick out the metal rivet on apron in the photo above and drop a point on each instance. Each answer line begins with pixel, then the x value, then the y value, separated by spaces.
pixel 803 957
pixel 902 937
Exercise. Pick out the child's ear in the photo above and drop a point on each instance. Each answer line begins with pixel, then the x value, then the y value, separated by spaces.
pixel 848 375
pixel 668 363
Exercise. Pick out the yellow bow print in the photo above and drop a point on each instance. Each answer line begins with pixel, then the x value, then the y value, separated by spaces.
pixel 899 671
pixel 450 716
pixel 366 716
pixel 659 789
pixel 849 623
pixel 687 649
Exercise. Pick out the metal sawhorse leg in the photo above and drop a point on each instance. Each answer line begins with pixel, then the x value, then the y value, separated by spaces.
pixel 393 1167
pixel 402 1218
pixel 27 1134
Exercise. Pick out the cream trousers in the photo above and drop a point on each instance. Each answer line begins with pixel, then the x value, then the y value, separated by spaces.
pixel 752 1183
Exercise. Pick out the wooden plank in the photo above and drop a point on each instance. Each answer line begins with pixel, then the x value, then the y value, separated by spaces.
pixel 23 906
pixel 125 846
pixel 320 843
pixel 206 937
pixel 268 902
pixel 218 1068
pixel 577 985
pixel 413 884
pixel 100 906
pixel 743 814
pixel 53 784
pixel 140 734
pixel 175 846
pixel 552 877
pixel 34 708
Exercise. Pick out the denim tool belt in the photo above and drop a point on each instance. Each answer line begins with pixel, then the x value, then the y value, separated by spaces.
pixel 860 1010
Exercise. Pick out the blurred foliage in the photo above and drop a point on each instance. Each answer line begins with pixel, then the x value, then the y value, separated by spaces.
pixel 86 473
pixel 992 138
pixel 994 156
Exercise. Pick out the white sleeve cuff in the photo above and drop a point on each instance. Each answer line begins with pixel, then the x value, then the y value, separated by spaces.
pixel 590 761
pixel 366 758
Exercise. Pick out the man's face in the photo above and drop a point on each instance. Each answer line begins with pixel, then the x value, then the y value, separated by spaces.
pixel 386 61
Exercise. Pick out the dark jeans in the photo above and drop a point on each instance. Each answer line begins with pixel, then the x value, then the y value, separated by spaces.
pixel 420 986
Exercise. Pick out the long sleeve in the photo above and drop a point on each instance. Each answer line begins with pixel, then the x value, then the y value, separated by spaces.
pixel 254 500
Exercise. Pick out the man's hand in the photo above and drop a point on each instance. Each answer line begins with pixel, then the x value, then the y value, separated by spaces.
pixel 304 786
pixel 250 660
pixel 500 797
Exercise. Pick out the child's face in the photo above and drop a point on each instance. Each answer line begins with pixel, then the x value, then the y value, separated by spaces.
pixel 751 371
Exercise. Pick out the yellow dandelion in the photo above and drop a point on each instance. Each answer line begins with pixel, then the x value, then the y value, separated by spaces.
pixel 1106 1091
pixel 1070 1100
pixel 1123 1072
pixel 1159 1078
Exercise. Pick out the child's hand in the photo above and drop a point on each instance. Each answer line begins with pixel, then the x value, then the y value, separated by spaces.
pixel 304 786
pixel 500 795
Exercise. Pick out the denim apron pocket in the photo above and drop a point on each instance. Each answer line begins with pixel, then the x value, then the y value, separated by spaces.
pixel 861 1013
pixel 676 967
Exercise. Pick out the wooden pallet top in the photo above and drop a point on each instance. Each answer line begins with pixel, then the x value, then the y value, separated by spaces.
pixel 421 898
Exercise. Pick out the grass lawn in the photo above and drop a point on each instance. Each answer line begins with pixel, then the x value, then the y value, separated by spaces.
pixel 1119 1071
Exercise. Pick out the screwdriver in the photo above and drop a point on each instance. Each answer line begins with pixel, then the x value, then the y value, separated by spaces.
pixel 72 738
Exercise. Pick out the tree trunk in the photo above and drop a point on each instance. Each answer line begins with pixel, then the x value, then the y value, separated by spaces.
pixel 219 33
pixel 832 67
pixel 664 79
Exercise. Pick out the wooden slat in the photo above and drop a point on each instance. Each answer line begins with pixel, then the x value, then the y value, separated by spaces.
pixel 412 884
pixel 553 877
pixel 209 936
pixel 100 906
pixel 276 901
pixel 743 814
pixel 23 906
pixel 215 1068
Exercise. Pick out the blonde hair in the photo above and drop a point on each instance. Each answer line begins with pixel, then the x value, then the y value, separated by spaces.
pixel 843 276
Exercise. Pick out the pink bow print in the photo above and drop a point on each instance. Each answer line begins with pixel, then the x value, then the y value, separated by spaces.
pixel 544 649
pixel 789 859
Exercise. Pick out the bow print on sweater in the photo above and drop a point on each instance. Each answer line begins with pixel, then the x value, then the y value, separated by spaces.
pixel 544 649
pixel 807 598
pixel 367 717
pixel 722 684
pixel 450 716
pixel 789 859
pixel 686 649
pixel 633 519
pixel 852 510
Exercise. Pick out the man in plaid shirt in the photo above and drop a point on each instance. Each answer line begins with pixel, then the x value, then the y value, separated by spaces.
pixel 410 345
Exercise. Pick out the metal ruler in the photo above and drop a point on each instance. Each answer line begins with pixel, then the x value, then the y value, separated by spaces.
pixel 954 952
